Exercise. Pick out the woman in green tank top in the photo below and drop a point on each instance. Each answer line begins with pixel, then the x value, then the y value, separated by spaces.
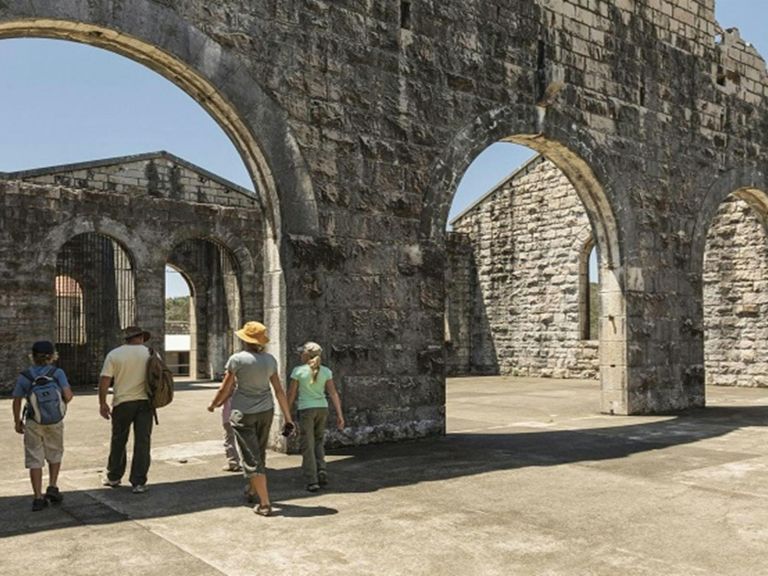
pixel 310 382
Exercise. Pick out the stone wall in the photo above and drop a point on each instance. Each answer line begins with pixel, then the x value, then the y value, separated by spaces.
pixel 736 297
pixel 530 241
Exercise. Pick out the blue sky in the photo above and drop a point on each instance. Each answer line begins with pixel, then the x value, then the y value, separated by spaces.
pixel 62 102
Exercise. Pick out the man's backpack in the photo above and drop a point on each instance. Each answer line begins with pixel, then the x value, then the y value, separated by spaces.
pixel 159 381
pixel 45 404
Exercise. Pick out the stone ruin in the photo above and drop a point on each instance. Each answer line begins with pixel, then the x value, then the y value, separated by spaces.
pixel 356 119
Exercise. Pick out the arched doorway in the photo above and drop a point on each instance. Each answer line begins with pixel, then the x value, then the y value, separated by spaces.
pixel 95 299
pixel 532 279
pixel 215 306
pixel 564 151
pixel 180 324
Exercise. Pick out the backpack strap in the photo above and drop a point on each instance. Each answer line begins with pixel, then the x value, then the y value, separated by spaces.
pixel 149 392
pixel 49 373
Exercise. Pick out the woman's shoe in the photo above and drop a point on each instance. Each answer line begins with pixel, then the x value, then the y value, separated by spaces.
pixel 263 510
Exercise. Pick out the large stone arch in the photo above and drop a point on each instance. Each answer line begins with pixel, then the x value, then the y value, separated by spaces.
pixel 572 150
pixel 60 234
pixel 748 183
pixel 220 81
pixel 576 154
pixel 718 322
pixel 245 259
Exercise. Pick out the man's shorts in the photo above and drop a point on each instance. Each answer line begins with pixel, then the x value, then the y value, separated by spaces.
pixel 43 442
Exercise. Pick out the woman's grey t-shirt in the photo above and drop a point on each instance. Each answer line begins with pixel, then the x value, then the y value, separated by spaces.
pixel 252 372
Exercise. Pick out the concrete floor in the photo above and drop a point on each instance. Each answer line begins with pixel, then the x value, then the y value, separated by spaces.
pixel 530 480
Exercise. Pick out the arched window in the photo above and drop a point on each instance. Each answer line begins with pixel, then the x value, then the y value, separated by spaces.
pixel 589 293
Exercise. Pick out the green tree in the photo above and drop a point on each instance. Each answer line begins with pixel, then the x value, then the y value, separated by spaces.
pixel 177 315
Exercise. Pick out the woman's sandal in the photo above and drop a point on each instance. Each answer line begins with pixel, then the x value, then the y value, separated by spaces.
pixel 263 510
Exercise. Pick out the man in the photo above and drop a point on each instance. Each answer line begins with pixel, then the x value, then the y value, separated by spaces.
pixel 125 368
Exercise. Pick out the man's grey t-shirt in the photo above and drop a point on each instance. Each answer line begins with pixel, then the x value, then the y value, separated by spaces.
pixel 252 372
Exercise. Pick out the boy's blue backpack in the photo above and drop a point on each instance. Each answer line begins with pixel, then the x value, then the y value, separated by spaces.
pixel 45 404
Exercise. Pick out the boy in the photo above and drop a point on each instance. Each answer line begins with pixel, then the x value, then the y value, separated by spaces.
pixel 43 437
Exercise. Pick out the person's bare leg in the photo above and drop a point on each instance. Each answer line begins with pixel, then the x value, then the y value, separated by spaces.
pixel 259 487
pixel 53 473
pixel 36 477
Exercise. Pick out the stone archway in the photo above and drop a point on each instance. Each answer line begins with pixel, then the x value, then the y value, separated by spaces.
pixel 568 150
pixel 217 78
pixel 217 298
pixel 99 272
pixel 728 262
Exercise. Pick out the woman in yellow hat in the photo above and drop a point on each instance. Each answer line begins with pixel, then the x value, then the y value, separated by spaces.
pixel 250 377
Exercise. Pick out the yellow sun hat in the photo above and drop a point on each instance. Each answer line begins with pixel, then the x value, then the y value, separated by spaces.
pixel 253 332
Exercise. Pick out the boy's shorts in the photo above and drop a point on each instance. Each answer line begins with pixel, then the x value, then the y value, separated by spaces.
pixel 43 442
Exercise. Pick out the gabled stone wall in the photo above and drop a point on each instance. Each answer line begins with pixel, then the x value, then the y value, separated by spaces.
pixel 530 239
pixel 159 174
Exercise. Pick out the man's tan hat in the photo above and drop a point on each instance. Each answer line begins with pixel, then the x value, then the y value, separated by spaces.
pixel 253 332
pixel 133 331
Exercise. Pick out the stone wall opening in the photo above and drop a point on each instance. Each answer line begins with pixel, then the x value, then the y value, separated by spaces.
pixel 180 323
pixel 735 292
pixel 149 201
pixel 553 228
pixel 520 276
pixel 95 296
pixel 589 292
pixel 215 304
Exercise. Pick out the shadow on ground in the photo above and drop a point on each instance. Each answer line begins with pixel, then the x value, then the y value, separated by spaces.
pixel 372 468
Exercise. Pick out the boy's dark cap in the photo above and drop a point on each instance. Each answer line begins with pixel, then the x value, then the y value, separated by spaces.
pixel 43 347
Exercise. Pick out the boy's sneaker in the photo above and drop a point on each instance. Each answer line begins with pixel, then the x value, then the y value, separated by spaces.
pixel 322 478
pixel 53 495
pixel 314 487
pixel 38 504
pixel 139 489
pixel 111 483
